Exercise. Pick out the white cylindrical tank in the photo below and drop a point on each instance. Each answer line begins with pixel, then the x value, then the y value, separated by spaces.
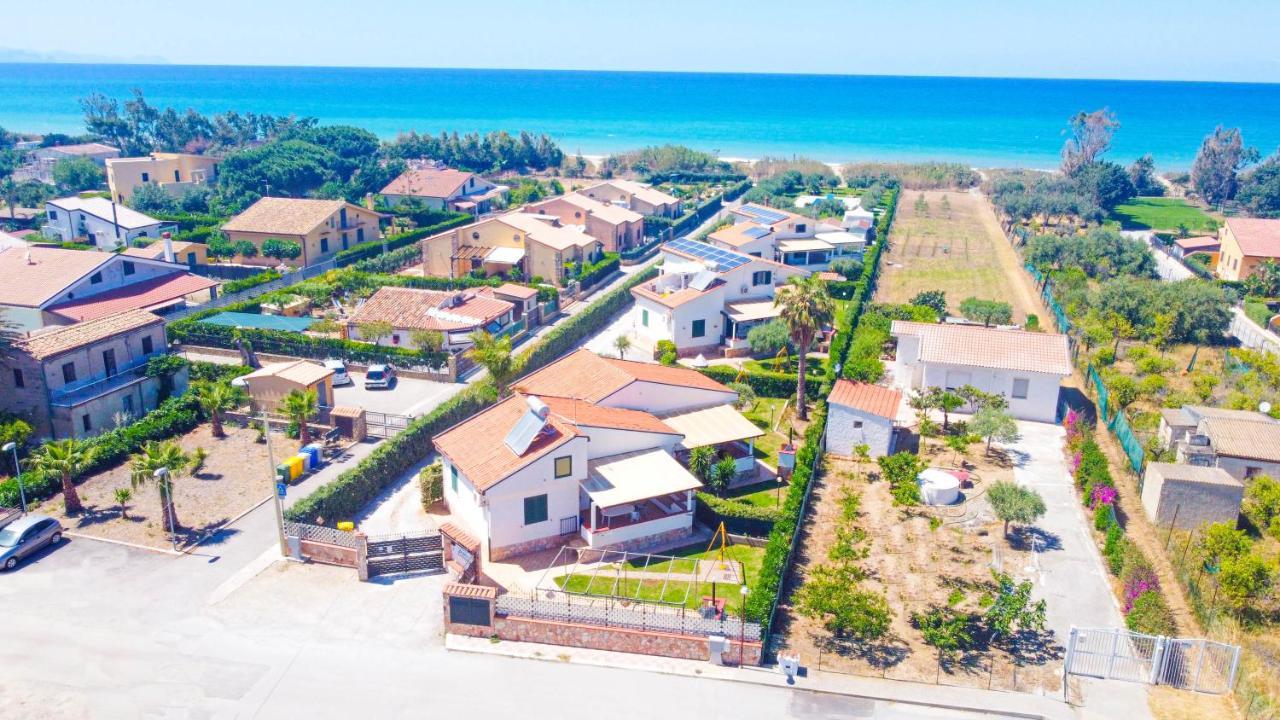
pixel 938 487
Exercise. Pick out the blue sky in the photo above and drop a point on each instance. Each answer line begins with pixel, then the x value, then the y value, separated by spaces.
pixel 1140 39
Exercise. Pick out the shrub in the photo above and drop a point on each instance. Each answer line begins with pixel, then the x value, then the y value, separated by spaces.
pixel 431 484
pixel 1150 614
pixel 1114 548
pixel 944 629
pixel 766 383
pixel 665 350
pixel 1102 518
pixel 831 594
pixel 738 517
pixel 262 278
pixel 900 470
pixel 593 273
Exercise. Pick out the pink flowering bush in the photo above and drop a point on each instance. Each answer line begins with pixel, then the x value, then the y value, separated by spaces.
pixel 1138 578
pixel 1103 495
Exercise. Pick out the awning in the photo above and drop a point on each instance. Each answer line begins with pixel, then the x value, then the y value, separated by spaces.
pixel 803 245
pixel 843 238
pixel 632 477
pixel 749 311
pixel 505 256
pixel 711 426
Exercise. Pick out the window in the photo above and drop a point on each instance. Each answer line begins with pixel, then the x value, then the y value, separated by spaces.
pixel 18 380
pixel 1020 388
pixel 535 509
pixel 395 338
pixel 146 177
pixel 324 245
pixel 453 478
pixel 148 345
pixel 699 328
pixel 359 235
pixel 857 424
pixel 762 277
pixel 476 236
pixel 177 176
pixel 68 372
pixel 644 317
pixel 53 214
pixel 346 243
pixel 1252 471
pixel 800 228
pixel 128 267
pixel 109 362
pixel 564 466
pixel 84 422
pixel 95 278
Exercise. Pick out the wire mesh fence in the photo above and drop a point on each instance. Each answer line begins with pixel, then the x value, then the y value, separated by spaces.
pixel 606 612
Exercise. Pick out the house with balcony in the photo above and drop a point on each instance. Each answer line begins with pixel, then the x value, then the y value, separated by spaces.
pixel 175 173
pixel 441 188
pixel 83 379
pixel 1243 443
pixel 99 222
pixel 586 452
pixel 637 197
pixel 517 243
pixel 708 298
pixel 40 164
pixel 616 227
pixel 319 228
pixel 455 314
pixel 791 239
pixel 50 286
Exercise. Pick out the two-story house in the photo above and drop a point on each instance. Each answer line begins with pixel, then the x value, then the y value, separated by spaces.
pixel 1246 243
pixel 616 227
pixel 455 314
pixel 708 298
pixel 637 197
pixel 80 380
pixel 515 243
pixel 320 229
pixel 175 173
pixel 99 222
pixel 51 286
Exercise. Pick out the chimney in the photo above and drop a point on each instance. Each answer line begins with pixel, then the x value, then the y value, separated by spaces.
pixel 168 247
pixel 28 256
pixel 368 201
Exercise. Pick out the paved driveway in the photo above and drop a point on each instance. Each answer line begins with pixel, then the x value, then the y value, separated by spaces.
pixel 410 396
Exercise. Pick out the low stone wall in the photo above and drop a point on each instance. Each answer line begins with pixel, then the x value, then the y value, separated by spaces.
pixel 330 554
pixel 497 554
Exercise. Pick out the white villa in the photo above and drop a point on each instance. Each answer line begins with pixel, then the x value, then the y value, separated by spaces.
pixel 99 222
pixel 788 238
pixel 1025 367
pixel 708 297
pixel 587 451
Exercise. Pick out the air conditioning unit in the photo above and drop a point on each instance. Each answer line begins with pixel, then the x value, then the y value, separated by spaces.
pixel 1198 440
pixel 743 289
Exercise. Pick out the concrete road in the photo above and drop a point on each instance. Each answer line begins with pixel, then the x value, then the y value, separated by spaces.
pixel 101 631
pixel 410 396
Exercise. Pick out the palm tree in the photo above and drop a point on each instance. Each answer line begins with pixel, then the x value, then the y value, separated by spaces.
pixel 66 459
pixel 215 399
pixel 155 455
pixel 495 355
pixel 623 344
pixel 300 406
pixel 806 308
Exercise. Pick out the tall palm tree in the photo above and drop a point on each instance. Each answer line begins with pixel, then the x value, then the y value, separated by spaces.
pixel 216 398
pixel 300 406
pixel 66 459
pixel 806 307
pixel 157 454
pixel 623 344
pixel 496 357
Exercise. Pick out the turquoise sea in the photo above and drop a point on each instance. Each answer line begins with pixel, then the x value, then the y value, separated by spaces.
pixel 836 118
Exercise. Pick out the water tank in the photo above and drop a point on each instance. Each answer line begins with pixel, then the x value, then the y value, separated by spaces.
pixel 938 487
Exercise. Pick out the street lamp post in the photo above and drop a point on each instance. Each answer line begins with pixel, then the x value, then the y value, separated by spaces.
pixel 742 624
pixel 17 473
pixel 271 473
pixel 166 496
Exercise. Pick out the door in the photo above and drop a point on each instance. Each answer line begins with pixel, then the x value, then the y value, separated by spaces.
pixel 109 362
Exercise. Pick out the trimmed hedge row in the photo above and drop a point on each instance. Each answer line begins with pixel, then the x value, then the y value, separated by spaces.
pixel 175 416
pixel 307 346
pixel 262 278
pixel 738 190
pixel 595 272
pixel 347 494
pixel 766 383
pixel 738 517
pixel 371 248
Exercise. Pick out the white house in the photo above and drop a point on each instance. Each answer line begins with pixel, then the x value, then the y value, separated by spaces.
pixel 861 414
pixel 582 450
pixel 708 297
pixel 1243 443
pixel 98 222
pixel 1025 367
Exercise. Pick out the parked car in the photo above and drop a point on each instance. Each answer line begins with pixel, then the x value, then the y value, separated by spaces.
pixel 25 536
pixel 379 376
pixel 340 374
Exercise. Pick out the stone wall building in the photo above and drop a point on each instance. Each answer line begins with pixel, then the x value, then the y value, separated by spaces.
pixel 1187 496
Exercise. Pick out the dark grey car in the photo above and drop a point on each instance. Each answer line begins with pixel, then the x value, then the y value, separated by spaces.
pixel 25 536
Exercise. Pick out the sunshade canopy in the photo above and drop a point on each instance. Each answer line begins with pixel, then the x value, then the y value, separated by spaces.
pixel 632 477
pixel 711 426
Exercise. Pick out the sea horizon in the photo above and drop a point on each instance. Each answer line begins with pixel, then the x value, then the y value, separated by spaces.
pixel 833 118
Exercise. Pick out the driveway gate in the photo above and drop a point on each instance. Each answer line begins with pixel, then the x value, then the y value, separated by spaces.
pixel 384 425
pixel 1187 664
pixel 405 553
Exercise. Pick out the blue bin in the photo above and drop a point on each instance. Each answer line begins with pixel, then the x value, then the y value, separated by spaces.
pixel 313 451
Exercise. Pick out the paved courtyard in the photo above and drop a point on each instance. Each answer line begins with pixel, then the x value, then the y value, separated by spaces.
pixel 410 396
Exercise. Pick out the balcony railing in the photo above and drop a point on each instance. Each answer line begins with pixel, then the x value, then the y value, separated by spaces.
pixel 82 391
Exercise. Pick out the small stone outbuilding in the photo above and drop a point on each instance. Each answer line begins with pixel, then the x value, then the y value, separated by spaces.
pixel 1188 496
pixel 861 414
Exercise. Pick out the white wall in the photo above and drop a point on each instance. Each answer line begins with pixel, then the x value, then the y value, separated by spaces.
pixel 505 500
pixel 113 277
pixel 658 399
pixel 67 225
pixel 603 442
pixel 1040 404
pixel 659 320
pixel 876 432
pixel 1239 468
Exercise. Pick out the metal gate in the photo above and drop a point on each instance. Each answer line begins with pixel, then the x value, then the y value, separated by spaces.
pixel 384 425
pixel 1187 664
pixel 405 553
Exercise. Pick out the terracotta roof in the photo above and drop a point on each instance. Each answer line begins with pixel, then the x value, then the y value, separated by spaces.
pixel 147 295
pixel 1244 438
pixel 640 190
pixel 828 276
pixel 296 371
pixel 989 347
pixel 428 182
pixel 48 274
pixel 460 536
pixel 586 414
pixel 414 309
pixel 523 292
pixel 614 214
pixel 155 251
pixel 736 234
pixel 874 399
pixel 476 448
pixel 69 337
pixel 1257 237
pixel 676 298
pixel 285 216
pixel 542 231
pixel 587 376
pixel 1203 242
pixel 479 592
pixel 1193 473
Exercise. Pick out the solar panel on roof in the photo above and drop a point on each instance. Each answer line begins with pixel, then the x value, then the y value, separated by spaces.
pixel 528 427
pixel 702 280
pixel 755 232
pixel 724 259
pixel 765 215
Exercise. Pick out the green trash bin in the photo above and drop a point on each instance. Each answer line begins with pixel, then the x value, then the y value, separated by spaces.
pixel 282 472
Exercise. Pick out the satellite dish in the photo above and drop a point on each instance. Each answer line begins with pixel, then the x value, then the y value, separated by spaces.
pixel 1264 407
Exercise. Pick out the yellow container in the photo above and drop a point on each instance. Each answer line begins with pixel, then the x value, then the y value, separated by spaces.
pixel 296 463
pixel 346 526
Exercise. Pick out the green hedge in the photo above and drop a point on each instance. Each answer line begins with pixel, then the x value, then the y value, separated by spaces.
pixel 307 346
pixel 593 273
pixel 175 416
pixel 738 517
pixel 738 190
pixel 343 497
pixel 262 278
pixel 764 382
pixel 371 248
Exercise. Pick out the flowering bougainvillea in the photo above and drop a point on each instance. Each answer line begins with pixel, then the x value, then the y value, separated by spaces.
pixel 1103 495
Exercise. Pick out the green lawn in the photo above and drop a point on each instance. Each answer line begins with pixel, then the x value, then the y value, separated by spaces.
pixel 1158 213
pixel 609 581
pixel 765 494
pixel 765 415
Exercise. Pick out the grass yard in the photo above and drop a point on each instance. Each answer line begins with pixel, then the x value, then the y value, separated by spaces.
pixel 765 494
pixel 669 578
pixel 961 251
pixel 1160 213
pixel 765 414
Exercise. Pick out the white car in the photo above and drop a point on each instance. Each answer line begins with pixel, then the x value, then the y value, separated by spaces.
pixel 340 374
pixel 379 376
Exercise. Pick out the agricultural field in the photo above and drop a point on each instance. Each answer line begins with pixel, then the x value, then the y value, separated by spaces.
pixel 957 247
pixel 1164 214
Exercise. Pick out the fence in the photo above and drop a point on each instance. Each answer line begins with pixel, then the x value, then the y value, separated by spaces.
pixel 1197 664
pixel 605 612
pixel 286 280
pixel 320 533
pixel 401 553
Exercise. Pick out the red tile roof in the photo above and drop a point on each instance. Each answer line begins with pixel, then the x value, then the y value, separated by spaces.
pixel 476 446
pixel 585 414
pixel 986 347
pixel 49 342
pixel 1257 237
pixel 147 295
pixel 874 399
pixel 416 309
pixel 428 182
pixel 586 376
